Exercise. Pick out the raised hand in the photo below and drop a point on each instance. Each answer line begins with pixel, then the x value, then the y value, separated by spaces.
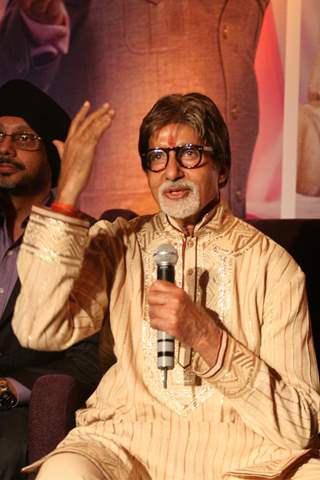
pixel 77 153
pixel 43 11
pixel 172 310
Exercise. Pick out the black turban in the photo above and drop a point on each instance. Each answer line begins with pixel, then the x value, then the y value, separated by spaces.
pixel 19 98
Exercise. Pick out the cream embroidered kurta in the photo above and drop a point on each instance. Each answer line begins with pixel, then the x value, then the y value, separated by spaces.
pixel 251 416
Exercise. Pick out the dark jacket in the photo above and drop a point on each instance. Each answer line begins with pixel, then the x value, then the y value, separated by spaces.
pixel 26 365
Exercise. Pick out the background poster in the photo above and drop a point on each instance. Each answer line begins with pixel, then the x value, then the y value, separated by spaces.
pixel 131 52
pixel 284 179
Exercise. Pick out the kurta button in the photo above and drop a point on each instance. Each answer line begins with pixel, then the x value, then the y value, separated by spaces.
pixel 225 31
pixel 1 291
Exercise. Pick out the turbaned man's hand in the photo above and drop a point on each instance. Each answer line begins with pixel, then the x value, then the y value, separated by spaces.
pixel 78 151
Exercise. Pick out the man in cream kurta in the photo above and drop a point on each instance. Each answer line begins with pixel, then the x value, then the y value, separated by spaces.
pixel 250 413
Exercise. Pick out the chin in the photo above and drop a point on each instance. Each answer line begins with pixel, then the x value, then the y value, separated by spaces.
pixel 180 209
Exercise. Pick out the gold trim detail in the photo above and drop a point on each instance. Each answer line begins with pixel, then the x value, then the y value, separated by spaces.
pixel 212 286
pixel 64 244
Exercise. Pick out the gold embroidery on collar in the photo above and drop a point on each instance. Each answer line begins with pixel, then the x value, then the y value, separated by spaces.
pixel 185 390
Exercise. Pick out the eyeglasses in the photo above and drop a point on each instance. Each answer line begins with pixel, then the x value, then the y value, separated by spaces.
pixel 23 140
pixel 188 155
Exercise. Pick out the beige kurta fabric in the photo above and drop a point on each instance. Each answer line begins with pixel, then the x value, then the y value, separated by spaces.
pixel 253 415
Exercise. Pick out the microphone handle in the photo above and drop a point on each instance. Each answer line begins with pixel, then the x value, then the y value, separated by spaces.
pixel 165 358
pixel 165 272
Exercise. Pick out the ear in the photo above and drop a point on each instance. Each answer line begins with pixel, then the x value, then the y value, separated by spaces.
pixel 222 178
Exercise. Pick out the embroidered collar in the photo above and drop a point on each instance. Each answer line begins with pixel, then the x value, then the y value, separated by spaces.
pixel 217 220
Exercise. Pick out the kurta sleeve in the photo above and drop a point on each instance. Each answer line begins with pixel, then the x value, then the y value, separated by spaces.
pixel 64 271
pixel 275 392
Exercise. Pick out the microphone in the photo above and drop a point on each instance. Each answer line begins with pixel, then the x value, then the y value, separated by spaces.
pixel 166 257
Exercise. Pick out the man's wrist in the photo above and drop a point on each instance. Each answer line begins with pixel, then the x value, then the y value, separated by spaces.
pixel 209 347
pixel 205 370
pixel 66 209
pixel 209 338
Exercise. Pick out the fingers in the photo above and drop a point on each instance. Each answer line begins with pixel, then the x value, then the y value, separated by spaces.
pixel 165 297
pixel 162 286
pixel 162 291
pixel 91 125
pixel 78 152
pixel 98 123
pixel 79 117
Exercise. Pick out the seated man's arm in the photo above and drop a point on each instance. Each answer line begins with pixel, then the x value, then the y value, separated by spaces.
pixel 275 391
pixel 64 273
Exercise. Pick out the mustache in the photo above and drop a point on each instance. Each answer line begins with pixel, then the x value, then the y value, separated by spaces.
pixel 174 185
pixel 10 161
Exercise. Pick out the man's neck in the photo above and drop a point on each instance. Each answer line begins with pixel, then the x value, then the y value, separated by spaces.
pixel 17 209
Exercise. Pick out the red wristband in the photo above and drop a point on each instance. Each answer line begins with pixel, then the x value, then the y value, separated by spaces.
pixel 64 208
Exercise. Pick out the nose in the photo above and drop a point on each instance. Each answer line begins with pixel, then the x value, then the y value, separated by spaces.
pixel 173 170
pixel 7 146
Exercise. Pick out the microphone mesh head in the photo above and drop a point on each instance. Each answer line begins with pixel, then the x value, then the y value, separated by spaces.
pixel 166 254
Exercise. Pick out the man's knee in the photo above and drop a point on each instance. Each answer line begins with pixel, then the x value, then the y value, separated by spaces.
pixel 72 466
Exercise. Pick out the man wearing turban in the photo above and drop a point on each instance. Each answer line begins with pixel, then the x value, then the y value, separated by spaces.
pixel 29 168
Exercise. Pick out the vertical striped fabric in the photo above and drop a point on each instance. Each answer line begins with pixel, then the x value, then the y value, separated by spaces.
pixel 253 415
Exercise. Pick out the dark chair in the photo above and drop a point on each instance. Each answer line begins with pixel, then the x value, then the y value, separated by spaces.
pixel 55 398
